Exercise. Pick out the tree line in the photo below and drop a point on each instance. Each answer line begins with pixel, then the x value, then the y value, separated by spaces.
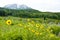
pixel 29 13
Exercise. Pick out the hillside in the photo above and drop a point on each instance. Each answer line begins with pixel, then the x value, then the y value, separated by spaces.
pixel 28 13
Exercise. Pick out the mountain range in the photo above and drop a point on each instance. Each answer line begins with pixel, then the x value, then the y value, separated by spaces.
pixel 16 6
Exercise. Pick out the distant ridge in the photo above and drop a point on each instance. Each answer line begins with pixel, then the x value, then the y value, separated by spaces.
pixel 16 6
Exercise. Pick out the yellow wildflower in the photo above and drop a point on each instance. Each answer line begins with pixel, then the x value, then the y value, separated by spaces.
pixel 32 22
pixel 29 29
pixel 8 22
pixel 40 33
pixel 25 26
pixel 48 30
pixel 33 30
pixel 52 35
pixel 29 23
pixel 41 27
pixel 20 24
pixel 37 33
pixel 37 25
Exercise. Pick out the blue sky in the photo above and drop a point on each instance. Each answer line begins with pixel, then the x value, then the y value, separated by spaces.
pixel 42 5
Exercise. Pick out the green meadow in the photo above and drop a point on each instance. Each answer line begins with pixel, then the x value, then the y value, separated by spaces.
pixel 16 28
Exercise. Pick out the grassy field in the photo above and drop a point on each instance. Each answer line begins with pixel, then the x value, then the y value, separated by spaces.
pixel 15 28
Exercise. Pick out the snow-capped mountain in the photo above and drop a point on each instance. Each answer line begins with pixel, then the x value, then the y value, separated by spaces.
pixel 16 6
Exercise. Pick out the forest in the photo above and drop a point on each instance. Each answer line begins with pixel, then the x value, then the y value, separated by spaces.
pixel 29 13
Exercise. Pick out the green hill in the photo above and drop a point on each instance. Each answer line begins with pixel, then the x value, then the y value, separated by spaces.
pixel 28 13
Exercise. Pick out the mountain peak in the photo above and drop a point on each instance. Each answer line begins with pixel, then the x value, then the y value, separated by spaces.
pixel 11 6
pixel 16 6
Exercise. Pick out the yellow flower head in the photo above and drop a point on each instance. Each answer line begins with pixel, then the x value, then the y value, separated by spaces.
pixel 37 25
pixel 48 30
pixel 25 26
pixel 29 29
pixel 32 22
pixel 29 23
pixel 8 22
pixel 20 24
pixel 41 27
pixel 37 33
pixel 33 30
pixel 40 33
pixel 52 35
